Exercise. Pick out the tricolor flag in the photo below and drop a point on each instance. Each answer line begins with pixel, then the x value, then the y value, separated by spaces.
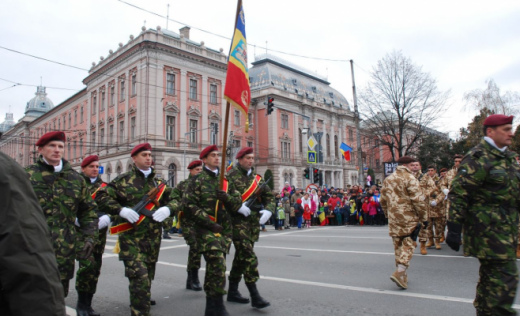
pixel 345 151
pixel 237 91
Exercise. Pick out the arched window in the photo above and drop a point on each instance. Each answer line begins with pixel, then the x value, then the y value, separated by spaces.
pixel 285 177
pixel 118 170
pixel 129 167
pixel 328 145
pixel 336 147
pixel 109 171
pixel 290 178
pixel 172 174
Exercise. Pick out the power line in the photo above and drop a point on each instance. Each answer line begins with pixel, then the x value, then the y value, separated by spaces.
pixel 10 87
pixel 31 85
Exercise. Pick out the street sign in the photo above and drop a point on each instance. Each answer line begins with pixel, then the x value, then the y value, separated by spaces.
pixel 311 186
pixel 311 157
pixel 312 142
pixel 101 169
pixel 390 168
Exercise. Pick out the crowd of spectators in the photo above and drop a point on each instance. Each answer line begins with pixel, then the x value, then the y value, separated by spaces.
pixel 353 205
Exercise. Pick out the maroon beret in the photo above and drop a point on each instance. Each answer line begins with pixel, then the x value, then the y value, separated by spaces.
pixel 443 170
pixel 50 136
pixel 90 159
pixel 244 151
pixel 498 119
pixel 458 156
pixel 207 150
pixel 405 160
pixel 141 147
pixel 195 164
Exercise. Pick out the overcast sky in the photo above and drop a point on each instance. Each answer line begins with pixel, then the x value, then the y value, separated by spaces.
pixel 460 43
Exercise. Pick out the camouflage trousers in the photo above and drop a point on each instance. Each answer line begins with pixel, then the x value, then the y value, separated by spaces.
pixel 496 288
pixel 404 249
pixel 140 275
pixel 245 262
pixel 438 226
pixel 444 223
pixel 427 232
pixel 90 268
pixel 215 278
pixel 167 224
pixel 193 259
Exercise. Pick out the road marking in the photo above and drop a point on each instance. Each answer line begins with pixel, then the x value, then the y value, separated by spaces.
pixel 111 255
pixel 314 236
pixel 70 311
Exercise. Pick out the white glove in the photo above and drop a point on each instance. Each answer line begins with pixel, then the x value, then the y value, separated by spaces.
pixel 76 222
pixel 104 221
pixel 244 210
pixel 445 191
pixel 265 216
pixel 129 214
pixel 433 203
pixel 161 214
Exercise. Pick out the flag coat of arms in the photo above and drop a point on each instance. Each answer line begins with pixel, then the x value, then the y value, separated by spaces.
pixel 345 151
pixel 237 91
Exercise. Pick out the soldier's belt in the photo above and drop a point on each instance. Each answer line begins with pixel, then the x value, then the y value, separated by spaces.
pixel 102 186
pixel 252 188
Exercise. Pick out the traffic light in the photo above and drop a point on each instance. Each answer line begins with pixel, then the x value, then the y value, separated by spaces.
pixel 317 176
pixel 270 105
pixel 306 173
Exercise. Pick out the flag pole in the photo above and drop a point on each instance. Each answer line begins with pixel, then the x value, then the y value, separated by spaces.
pixel 224 148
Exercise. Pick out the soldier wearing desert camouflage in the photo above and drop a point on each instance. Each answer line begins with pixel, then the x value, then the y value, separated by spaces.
pixel 404 206
pixel 437 211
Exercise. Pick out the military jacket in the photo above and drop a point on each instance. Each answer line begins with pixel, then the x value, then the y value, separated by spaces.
pixel 440 209
pixel 199 202
pixel 143 243
pixel 177 194
pixel 403 202
pixel 428 188
pixel 248 227
pixel 92 188
pixel 484 199
pixel 64 197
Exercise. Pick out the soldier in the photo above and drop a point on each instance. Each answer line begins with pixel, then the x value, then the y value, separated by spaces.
pixel 437 211
pixel 246 229
pixel 139 236
pixel 403 204
pixel 200 201
pixel 63 196
pixel 484 202
pixel 192 282
pixel 90 268
pixel 441 201
pixel 427 187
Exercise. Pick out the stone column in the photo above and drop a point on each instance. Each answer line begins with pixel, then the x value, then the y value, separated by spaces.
pixel 205 111
pixel 183 118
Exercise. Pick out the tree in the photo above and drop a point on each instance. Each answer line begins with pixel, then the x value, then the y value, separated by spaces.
pixel 269 175
pixel 507 103
pixel 470 137
pixel 515 146
pixel 400 104
pixel 435 150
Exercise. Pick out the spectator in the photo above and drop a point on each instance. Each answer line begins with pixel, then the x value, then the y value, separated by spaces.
pixel 281 215
pixel 337 212
pixel 307 215
pixel 372 211
pixel 296 196
pixel 333 201
pixel 287 208
pixel 287 188
pixel 298 212
pixel 306 200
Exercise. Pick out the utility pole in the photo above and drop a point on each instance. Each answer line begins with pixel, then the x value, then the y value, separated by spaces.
pixel 361 176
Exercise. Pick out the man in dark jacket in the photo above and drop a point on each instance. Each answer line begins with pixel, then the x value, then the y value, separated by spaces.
pixel 29 278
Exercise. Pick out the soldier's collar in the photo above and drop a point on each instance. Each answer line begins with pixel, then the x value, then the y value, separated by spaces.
pixel 209 171
pixel 247 172
pixel 492 148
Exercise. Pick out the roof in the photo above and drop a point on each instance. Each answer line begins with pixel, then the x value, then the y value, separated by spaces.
pixel 40 104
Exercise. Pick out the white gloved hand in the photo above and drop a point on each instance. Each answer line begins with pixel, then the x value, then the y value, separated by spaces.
pixel 265 216
pixel 433 203
pixel 244 210
pixel 161 214
pixel 76 222
pixel 104 221
pixel 129 214
pixel 445 191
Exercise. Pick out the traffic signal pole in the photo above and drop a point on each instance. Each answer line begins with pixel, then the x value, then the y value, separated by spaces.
pixel 361 177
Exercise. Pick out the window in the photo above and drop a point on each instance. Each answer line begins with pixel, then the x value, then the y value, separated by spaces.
pixel 70 120
pixel 69 153
pixel 108 172
pixel 75 117
pixel 94 100
pixel 350 135
pixel 328 145
pixel 102 136
pixel 122 97
pixel 336 146
pixel 170 84
pixel 102 101
pixel 134 84
pixel 300 140
pixel 213 135
pixel 112 95
pixel 74 150
pixel 286 150
pixel 132 127
pixel 54 125
pixel 59 124
pixel 285 121
pixel 237 118
pixel 93 140
pixel 118 170
pixel 236 143
pixel 81 115
pixel 193 89
pixel 377 142
pixel 81 148
pixel 213 93
pixel 250 118
pixel 121 131
pixel 172 172
pixel 193 131
pixel 249 144
pixel 170 128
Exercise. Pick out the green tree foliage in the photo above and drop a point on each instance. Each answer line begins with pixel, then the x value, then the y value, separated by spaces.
pixel 269 175
pixel 470 136
pixel 516 141
pixel 437 151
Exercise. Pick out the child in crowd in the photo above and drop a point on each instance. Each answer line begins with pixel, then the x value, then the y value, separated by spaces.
pixel 287 209
pixel 337 212
pixel 307 215
pixel 281 215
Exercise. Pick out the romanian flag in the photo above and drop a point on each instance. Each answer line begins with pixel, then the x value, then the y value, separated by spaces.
pixel 345 151
pixel 237 91
pixel 361 221
pixel 229 167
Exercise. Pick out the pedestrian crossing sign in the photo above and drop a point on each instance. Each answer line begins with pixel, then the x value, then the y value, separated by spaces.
pixel 311 157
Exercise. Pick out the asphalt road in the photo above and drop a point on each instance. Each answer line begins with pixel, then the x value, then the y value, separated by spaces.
pixel 334 270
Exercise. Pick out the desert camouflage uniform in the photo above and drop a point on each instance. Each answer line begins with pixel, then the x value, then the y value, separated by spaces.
pixel 246 230
pixel 64 197
pixel 199 202
pixel 139 248
pixel 90 268
pixel 404 206
pixel 484 200
pixel 427 187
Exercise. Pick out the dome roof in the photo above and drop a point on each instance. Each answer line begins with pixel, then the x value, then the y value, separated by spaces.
pixel 40 104
pixel 8 123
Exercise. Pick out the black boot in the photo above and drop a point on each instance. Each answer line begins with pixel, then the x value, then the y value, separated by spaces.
pixel 256 300
pixel 234 295
pixel 166 235
pixel 82 306
pixel 220 309
pixel 195 284
pixel 210 307
pixel 91 311
pixel 189 282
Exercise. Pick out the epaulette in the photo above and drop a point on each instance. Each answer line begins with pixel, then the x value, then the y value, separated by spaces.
pixel 474 152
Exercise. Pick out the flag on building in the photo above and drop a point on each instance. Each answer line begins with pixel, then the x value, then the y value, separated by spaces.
pixel 237 91
pixel 345 151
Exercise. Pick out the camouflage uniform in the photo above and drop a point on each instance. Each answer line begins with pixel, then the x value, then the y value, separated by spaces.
pixel 246 230
pixel 199 202
pixel 64 197
pixel 484 200
pixel 403 204
pixel 90 268
pixel 438 212
pixel 139 248
pixel 427 187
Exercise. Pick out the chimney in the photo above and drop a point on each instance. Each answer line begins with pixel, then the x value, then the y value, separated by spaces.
pixel 185 31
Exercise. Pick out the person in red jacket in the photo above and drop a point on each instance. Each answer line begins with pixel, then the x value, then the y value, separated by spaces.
pixel 333 201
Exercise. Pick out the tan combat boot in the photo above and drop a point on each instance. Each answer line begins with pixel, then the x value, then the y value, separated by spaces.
pixel 423 248
pixel 415 244
pixel 430 243
pixel 437 244
pixel 441 240
pixel 518 251
pixel 400 279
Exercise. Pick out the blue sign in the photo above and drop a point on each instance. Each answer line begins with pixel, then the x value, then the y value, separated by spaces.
pixel 311 157
pixel 101 169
